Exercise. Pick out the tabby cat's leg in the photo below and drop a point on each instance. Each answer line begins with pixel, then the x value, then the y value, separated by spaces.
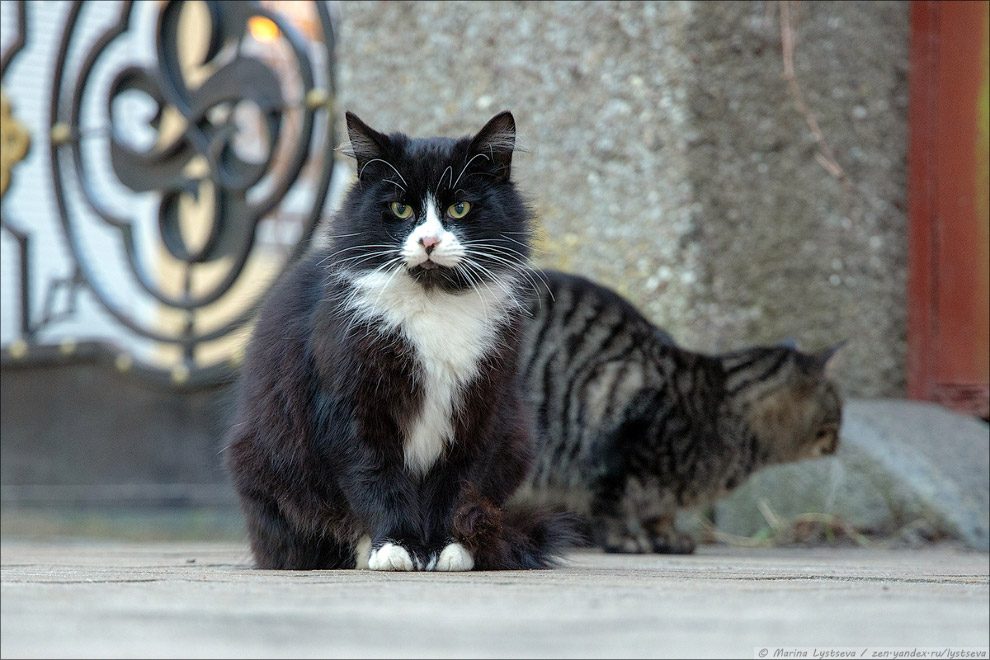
pixel 664 537
pixel 276 543
pixel 614 535
pixel 615 528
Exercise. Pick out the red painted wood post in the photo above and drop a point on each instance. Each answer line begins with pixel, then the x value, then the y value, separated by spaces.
pixel 949 249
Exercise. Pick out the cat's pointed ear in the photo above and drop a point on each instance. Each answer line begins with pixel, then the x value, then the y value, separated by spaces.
pixel 496 142
pixel 823 358
pixel 367 144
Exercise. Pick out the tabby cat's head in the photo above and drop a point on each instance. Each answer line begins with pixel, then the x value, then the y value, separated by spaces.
pixel 787 400
pixel 442 211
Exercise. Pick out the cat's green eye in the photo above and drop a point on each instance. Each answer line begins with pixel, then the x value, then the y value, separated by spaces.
pixel 458 210
pixel 401 211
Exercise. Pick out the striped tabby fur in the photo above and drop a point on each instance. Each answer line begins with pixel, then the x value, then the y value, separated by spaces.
pixel 632 428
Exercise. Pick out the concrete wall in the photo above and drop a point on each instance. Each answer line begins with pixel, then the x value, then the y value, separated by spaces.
pixel 668 160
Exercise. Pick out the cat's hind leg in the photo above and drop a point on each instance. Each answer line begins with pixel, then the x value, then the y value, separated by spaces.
pixel 277 544
pixel 665 538
pixel 615 525
pixel 614 535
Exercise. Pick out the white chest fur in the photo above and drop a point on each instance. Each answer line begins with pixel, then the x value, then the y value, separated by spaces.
pixel 451 333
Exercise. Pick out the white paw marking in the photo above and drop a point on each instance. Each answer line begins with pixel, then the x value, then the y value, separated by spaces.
pixel 390 557
pixel 362 552
pixel 455 557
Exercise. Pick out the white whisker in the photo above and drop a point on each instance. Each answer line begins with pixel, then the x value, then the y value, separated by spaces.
pixel 525 245
pixel 471 281
pixel 449 169
pixel 494 279
pixel 466 166
pixel 353 247
pixel 355 292
pixel 380 160
pixel 498 256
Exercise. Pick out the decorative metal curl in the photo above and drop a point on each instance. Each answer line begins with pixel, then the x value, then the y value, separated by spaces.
pixel 20 145
pixel 15 141
pixel 208 128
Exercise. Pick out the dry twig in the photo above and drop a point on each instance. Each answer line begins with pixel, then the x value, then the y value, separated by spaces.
pixel 788 28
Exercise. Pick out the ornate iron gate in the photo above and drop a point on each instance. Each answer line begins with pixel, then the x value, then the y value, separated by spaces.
pixel 185 159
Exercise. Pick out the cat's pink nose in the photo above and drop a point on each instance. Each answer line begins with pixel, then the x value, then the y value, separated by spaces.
pixel 429 242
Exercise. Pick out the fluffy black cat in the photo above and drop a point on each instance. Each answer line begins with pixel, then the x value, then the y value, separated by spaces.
pixel 378 424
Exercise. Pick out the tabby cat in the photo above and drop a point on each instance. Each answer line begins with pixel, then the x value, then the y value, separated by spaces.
pixel 379 424
pixel 632 428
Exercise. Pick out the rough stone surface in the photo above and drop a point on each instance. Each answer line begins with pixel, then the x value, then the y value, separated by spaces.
pixel 88 599
pixel 668 160
pixel 901 465
pixel 790 250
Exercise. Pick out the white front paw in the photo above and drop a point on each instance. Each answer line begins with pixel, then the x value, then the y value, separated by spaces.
pixel 390 557
pixel 455 557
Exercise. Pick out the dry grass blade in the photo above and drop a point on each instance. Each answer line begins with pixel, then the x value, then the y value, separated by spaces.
pixel 788 27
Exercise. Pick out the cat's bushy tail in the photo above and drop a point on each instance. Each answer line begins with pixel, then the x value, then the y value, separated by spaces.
pixel 514 537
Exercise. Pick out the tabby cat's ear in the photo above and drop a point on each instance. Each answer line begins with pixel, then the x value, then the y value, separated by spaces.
pixel 495 144
pixel 788 342
pixel 367 144
pixel 823 358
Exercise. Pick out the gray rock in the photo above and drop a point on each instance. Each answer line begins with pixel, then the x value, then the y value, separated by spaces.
pixel 901 464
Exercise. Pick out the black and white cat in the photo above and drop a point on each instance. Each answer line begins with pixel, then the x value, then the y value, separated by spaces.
pixel 378 423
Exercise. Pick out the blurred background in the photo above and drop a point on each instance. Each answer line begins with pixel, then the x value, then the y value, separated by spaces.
pixel 744 172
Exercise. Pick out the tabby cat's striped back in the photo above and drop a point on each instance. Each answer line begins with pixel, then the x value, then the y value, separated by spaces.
pixel 582 358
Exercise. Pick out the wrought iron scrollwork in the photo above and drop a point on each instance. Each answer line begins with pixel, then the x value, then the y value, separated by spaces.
pixel 16 141
pixel 192 158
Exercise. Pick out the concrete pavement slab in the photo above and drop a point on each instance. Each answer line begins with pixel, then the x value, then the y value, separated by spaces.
pixel 75 598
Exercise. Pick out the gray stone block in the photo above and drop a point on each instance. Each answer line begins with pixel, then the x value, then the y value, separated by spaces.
pixel 900 463
pixel 666 157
